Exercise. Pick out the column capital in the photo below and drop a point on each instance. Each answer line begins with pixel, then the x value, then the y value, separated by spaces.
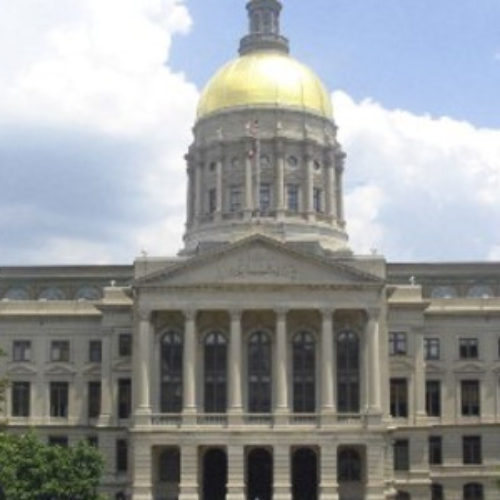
pixel 144 314
pixel 190 314
pixel 235 313
pixel 327 312
pixel 373 313
pixel 281 312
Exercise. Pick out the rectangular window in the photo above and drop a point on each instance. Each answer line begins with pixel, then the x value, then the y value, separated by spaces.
pixel 401 455
pixel 124 397
pixel 212 200
pixel 292 191
pixel 397 344
pixel 433 398
pixel 59 350
pixel 93 441
pixel 21 350
pixel 472 453
pixel 59 399
pixel 432 349
pixel 58 441
pixel 95 351
pixel 469 349
pixel 94 399
pixel 471 399
pixel 121 455
pixel 21 397
pixel 125 345
pixel 265 197
pixel 317 196
pixel 235 199
pixel 399 397
pixel 435 450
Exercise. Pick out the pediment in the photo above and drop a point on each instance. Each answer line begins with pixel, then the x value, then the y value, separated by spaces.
pixel 21 370
pixel 401 365
pixel 434 368
pixel 469 367
pixel 122 365
pixel 60 369
pixel 259 260
pixel 92 369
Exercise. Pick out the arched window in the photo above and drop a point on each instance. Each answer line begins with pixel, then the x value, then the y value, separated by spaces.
pixel 348 372
pixel 349 466
pixel 215 373
pixel 170 466
pixel 403 495
pixel 259 373
pixel 473 491
pixel 171 373
pixel 437 491
pixel 304 373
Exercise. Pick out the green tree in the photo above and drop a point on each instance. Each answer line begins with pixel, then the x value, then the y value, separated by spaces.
pixel 33 470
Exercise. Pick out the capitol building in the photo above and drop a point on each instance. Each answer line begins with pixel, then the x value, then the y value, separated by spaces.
pixel 266 360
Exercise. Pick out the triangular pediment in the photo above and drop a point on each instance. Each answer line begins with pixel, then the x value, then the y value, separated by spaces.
pixel 469 367
pixel 122 365
pixel 260 260
pixel 401 364
pixel 22 370
pixel 92 369
pixel 434 368
pixel 60 369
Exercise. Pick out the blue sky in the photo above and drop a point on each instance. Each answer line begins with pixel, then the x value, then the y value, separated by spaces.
pixel 98 97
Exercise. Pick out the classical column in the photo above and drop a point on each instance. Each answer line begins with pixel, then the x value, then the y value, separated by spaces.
pixel 419 374
pixel 141 366
pixel 248 183
pixel 189 363
pixel 310 186
pixel 281 364
pixel 281 476
pixel 373 338
pixel 339 169
pixel 189 473
pixel 218 189
pixel 328 473
pixel 327 365
pixel 235 473
pixel 235 365
pixel 331 189
pixel 190 191
pixel 198 172
pixel 280 181
pixel 106 379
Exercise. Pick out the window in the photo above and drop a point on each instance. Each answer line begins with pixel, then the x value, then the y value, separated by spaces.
pixel 432 349
pixel 470 398
pixel 437 492
pixel 292 191
pixel 59 399
pixel 401 455
pixel 21 350
pixel 171 373
pixel 95 351
pixel 469 348
pixel 94 399
pixel 212 200
pixel 93 441
pixel 259 373
pixel 265 197
pixel 304 370
pixel 471 446
pixel 121 455
pixel 125 345
pixel 399 397
pixel 433 398
pixel 317 195
pixel 21 396
pixel 59 350
pixel 348 372
pixel 124 397
pixel 58 441
pixel 473 491
pixel 397 343
pixel 349 466
pixel 435 450
pixel 235 199
pixel 170 466
pixel 215 373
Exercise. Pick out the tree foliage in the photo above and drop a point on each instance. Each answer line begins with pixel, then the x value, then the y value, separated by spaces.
pixel 33 470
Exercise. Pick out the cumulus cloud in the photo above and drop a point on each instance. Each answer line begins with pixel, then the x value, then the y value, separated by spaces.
pixel 419 187
pixel 93 128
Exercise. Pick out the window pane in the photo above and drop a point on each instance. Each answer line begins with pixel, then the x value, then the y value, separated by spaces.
pixel 304 373
pixel 259 373
pixel 348 372
pixel 215 373
pixel 171 373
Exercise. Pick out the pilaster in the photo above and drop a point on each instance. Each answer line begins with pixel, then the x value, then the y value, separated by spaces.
pixel 235 473
pixel 328 473
pixel 282 477
pixel 142 467
pixel 189 473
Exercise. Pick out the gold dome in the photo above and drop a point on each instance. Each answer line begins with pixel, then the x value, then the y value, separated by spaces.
pixel 265 78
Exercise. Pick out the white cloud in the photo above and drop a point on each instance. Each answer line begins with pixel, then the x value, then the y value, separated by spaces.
pixel 437 182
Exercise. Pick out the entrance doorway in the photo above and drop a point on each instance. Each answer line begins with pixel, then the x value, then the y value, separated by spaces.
pixel 259 474
pixel 350 473
pixel 214 474
pixel 304 474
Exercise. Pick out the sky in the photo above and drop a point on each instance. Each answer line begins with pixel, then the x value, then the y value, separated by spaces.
pixel 98 97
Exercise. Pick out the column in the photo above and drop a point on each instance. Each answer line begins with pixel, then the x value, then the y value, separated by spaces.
pixel 106 379
pixel 373 338
pixel 189 364
pixel 235 366
pixel 281 366
pixel 339 169
pixel 281 476
pixel 310 187
pixel 142 467
pixel 198 171
pixel 327 366
pixel 190 192
pixel 248 183
pixel 235 473
pixel 218 189
pixel 141 364
pixel 328 486
pixel 189 473
pixel 280 181
pixel 330 190
pixel 419 374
